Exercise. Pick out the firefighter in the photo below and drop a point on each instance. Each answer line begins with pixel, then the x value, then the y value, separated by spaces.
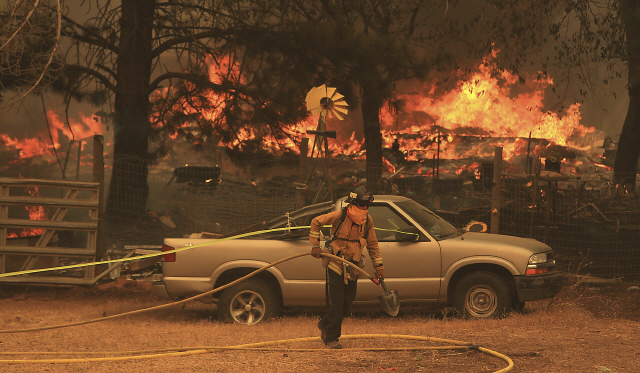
pixel 351 231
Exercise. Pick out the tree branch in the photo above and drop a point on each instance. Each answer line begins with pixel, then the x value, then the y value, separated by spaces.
pixel 26 20
pixel 163 47
pixel 190 77
pixel 52 54
pixel 84 38
pixel 104 80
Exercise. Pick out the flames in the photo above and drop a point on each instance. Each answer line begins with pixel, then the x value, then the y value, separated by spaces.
pixel 491 108
pixel 494 105
pixel 44 144
pixel 35 213
pixel 491 103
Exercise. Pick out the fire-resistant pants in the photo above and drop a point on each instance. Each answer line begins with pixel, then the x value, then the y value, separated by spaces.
pixel 341 296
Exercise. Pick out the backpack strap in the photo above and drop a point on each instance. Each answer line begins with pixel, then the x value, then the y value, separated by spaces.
pixel 366 228
pixel 342 217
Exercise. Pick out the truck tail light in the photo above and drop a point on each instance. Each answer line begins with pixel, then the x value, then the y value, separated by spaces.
pixel 536 271
pixel 171 257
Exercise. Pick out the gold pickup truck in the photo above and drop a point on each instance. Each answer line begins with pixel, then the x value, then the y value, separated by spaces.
pixel 427 260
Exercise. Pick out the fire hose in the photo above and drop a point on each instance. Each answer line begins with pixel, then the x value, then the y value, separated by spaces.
pixel 184 351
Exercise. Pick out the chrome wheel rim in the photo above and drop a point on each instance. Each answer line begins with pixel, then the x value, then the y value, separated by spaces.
pixel 247 307
pixel 481 301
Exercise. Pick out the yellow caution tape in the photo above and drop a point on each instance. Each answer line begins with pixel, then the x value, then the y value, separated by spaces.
pixel 130 259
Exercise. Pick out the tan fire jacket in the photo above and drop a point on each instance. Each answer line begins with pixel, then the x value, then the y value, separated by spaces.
pixel 351 249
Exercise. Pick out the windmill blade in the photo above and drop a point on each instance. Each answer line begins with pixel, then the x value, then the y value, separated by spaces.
pixel 314 96
pixel 338 116
pixel 330 91
pixel 316 112
pixel 342 110
pixel 331 108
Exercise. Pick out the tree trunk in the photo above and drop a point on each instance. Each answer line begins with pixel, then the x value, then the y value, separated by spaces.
pixel 371 105
pixel 128 190
pixel 626 163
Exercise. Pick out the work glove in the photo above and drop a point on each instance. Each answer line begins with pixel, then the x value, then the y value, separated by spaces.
pixel 315 251
pixel 379 273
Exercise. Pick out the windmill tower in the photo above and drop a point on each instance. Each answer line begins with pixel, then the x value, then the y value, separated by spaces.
pixel 325 102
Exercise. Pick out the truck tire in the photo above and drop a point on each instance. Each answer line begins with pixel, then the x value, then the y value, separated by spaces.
pixel 482 295
pixel 248 302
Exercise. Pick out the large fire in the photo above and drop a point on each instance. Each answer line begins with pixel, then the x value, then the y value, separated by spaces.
pixel 484 105
pixel 492 105
pixel 491 108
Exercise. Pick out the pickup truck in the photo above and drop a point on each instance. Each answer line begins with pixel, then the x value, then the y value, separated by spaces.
pixel 427 260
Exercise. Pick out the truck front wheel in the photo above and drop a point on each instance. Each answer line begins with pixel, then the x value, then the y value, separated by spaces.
pixel 482 295
pixel 248 302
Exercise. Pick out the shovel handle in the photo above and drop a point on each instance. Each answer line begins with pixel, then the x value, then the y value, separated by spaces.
pixel 379 281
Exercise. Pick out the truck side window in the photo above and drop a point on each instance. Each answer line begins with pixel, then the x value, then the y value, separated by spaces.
pixel 391 227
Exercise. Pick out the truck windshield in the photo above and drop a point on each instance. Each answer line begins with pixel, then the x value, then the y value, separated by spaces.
pixel 437 227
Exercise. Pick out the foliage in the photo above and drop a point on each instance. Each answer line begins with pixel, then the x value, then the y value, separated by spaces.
pixel 29 35
pixel 577 36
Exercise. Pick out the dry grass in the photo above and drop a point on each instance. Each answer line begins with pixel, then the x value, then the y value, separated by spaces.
pixel 579 331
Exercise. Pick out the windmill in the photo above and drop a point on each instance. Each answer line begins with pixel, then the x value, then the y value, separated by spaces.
pixel 323 102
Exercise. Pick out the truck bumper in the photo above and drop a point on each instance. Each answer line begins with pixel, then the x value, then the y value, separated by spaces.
pixel 538 287
pixel 159 289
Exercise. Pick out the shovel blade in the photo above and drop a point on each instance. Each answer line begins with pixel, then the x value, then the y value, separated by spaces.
pixel 390 302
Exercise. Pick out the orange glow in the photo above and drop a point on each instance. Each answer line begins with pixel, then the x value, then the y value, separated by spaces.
pixel 79 131
pixel 388 166
pixel 35 213
pixel 26 148
pixel 491 108
pixel 41 145
pixel 485 105
pixel 603 166
pixel 471 167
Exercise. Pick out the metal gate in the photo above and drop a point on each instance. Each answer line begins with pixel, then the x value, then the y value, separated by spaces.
pixel 25 251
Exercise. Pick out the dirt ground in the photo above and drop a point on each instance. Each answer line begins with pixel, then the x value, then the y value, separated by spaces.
pixel 583 329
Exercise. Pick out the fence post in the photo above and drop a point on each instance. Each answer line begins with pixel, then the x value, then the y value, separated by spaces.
pixel 4 214
pixel 497 181
pixel 301 186
pixel 98 176
pixel 536 174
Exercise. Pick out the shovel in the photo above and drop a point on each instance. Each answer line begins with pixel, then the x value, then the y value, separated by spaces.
pixel 389 299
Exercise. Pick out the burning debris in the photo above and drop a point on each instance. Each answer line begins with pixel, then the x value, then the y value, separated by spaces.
pixel 440 141
pixel 437 133
pixel 34 213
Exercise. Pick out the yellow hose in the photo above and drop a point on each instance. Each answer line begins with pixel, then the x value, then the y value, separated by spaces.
pixel 249 346
pixel 260 346
pixel 155 308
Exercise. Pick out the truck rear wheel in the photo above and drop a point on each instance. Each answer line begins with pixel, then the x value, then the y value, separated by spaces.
pixel 248 302
pixel 482 295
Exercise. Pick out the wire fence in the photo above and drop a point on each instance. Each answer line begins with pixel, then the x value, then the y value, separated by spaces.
pixel 593 229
